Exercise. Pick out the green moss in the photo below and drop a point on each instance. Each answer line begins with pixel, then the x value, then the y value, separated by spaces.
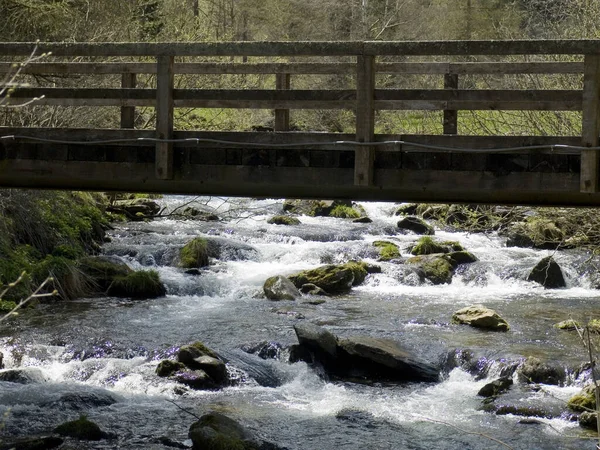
pixel 359 269
pixel 594 326
pixel 584 401
pixel 427 246
pixel 568 325
pixel 204 349
pixel 166 368
pixel 194 254
pixel 344 212
pixel 438 270
pixel 7 306
pixel 139 285
pixel 387 250
pixel 283 220
pixel 81 429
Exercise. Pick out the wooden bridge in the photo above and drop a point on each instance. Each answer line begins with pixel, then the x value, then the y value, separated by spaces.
pixel 161 157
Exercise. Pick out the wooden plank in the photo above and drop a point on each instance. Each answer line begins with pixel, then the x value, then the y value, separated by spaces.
pixel 164 117
pixel 450 115
pixel 128 81
pixel 365 120
pixel 482 68
pixel 590 124
pixel 282 116
pixel 312 48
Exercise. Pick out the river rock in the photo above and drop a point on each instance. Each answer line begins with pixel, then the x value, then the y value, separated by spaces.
pixel 138 285
pixel 33 443
pixel 588 420
pixel 361 357
pixel 196 379
pixel 584 401
pixel 568 325
pixel 548 273
pixel 317 339
pixel 333 279
pixel 280 288
pixel 461 257
pixel 436 268
pixel 533 370
pixel 81 429
pixel 214 367
pixel 363 219
pixel 496 387
pixel 479 316
pixel 264 350
pixel 167 368
pixel 312 289
pixel 215 431
pixel 283 220
pixel 194 254
pixel 383 358
pixel 25 375
pixel 410 209
pixel 102 270
pixel 416 225
pixel 197 367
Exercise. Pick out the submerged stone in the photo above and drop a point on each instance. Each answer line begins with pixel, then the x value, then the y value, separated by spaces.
pixel 81 429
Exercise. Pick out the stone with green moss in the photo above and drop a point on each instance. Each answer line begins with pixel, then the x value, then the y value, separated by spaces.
pixel 194 254
pixel 7 306
pixel 333 279
pixel 187 353
pixel 143 284
pixel 280 288
pixel 594 326
pixel 81 429
pixel 344 212
pixel 387 250
pixel 588 420
pixel 283 220
pixel 416 225
pixel 568 325
pixel 461 257
pixel 214 431
pixel 166 368
pixel 360 270
pixel 584 401
pixel 438 270
pixel 428 246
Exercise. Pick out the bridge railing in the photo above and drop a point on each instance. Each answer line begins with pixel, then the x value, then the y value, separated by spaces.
pixel 365 98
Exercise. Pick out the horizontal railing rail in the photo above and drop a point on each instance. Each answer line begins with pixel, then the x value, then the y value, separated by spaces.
pixel 364 62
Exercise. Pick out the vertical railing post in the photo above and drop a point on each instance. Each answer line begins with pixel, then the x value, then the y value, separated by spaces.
pixel 450 115
pixel 164 117
pixel 128 81
pixel 365 120
pixel 282 116
pixel 590 129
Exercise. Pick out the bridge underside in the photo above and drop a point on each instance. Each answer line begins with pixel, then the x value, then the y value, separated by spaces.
pixel 402 172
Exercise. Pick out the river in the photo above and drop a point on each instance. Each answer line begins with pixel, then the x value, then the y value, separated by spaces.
pixel 98 356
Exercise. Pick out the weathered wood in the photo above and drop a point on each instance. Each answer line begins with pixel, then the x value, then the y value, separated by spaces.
pixel 365 120
pixel 450 115
pixel 491 68
pixel 128 81
pixel 282 116
pixel 312 48
pixel 590 124
pixel 164 117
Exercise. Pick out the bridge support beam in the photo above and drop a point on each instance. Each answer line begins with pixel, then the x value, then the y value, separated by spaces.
pixel 591 124
pixel 128 81
pixel 364 159
pixel 450 115
pixel 164 116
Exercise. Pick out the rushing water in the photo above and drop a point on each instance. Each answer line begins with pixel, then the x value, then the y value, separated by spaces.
pixel 98 356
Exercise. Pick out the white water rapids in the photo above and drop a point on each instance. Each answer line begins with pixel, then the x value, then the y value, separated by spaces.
pixel 98 356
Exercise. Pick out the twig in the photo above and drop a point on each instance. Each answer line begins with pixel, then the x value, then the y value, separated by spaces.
pixel 476 433
pixel 183 409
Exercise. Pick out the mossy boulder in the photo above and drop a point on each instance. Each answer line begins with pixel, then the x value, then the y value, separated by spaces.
pixel 344 212
pixel 588 420
pixel 568 325
pixel 416 225
pixel 461 257
pixel 187 353
pixel 496 387
pixel 280 288
pixel 478 316
pixel 427 246
pixel 283 220
pixel 437 269
pixel 103 270
pixel 534 370
pixel 333 279
pixel 387 250
pixel 81 429
pixel 166 368
pixel 215 431
pixel 140 285
pixel 194 254
pixel 584 401
pixel 410 209
pixel 548 273
pixel 536 232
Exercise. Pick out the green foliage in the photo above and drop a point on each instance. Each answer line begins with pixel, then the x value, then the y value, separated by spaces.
pixel 387 250
pixel 6 306
pixel 194 254
pixel 427 246
pixel 344 212
pixel 142 284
